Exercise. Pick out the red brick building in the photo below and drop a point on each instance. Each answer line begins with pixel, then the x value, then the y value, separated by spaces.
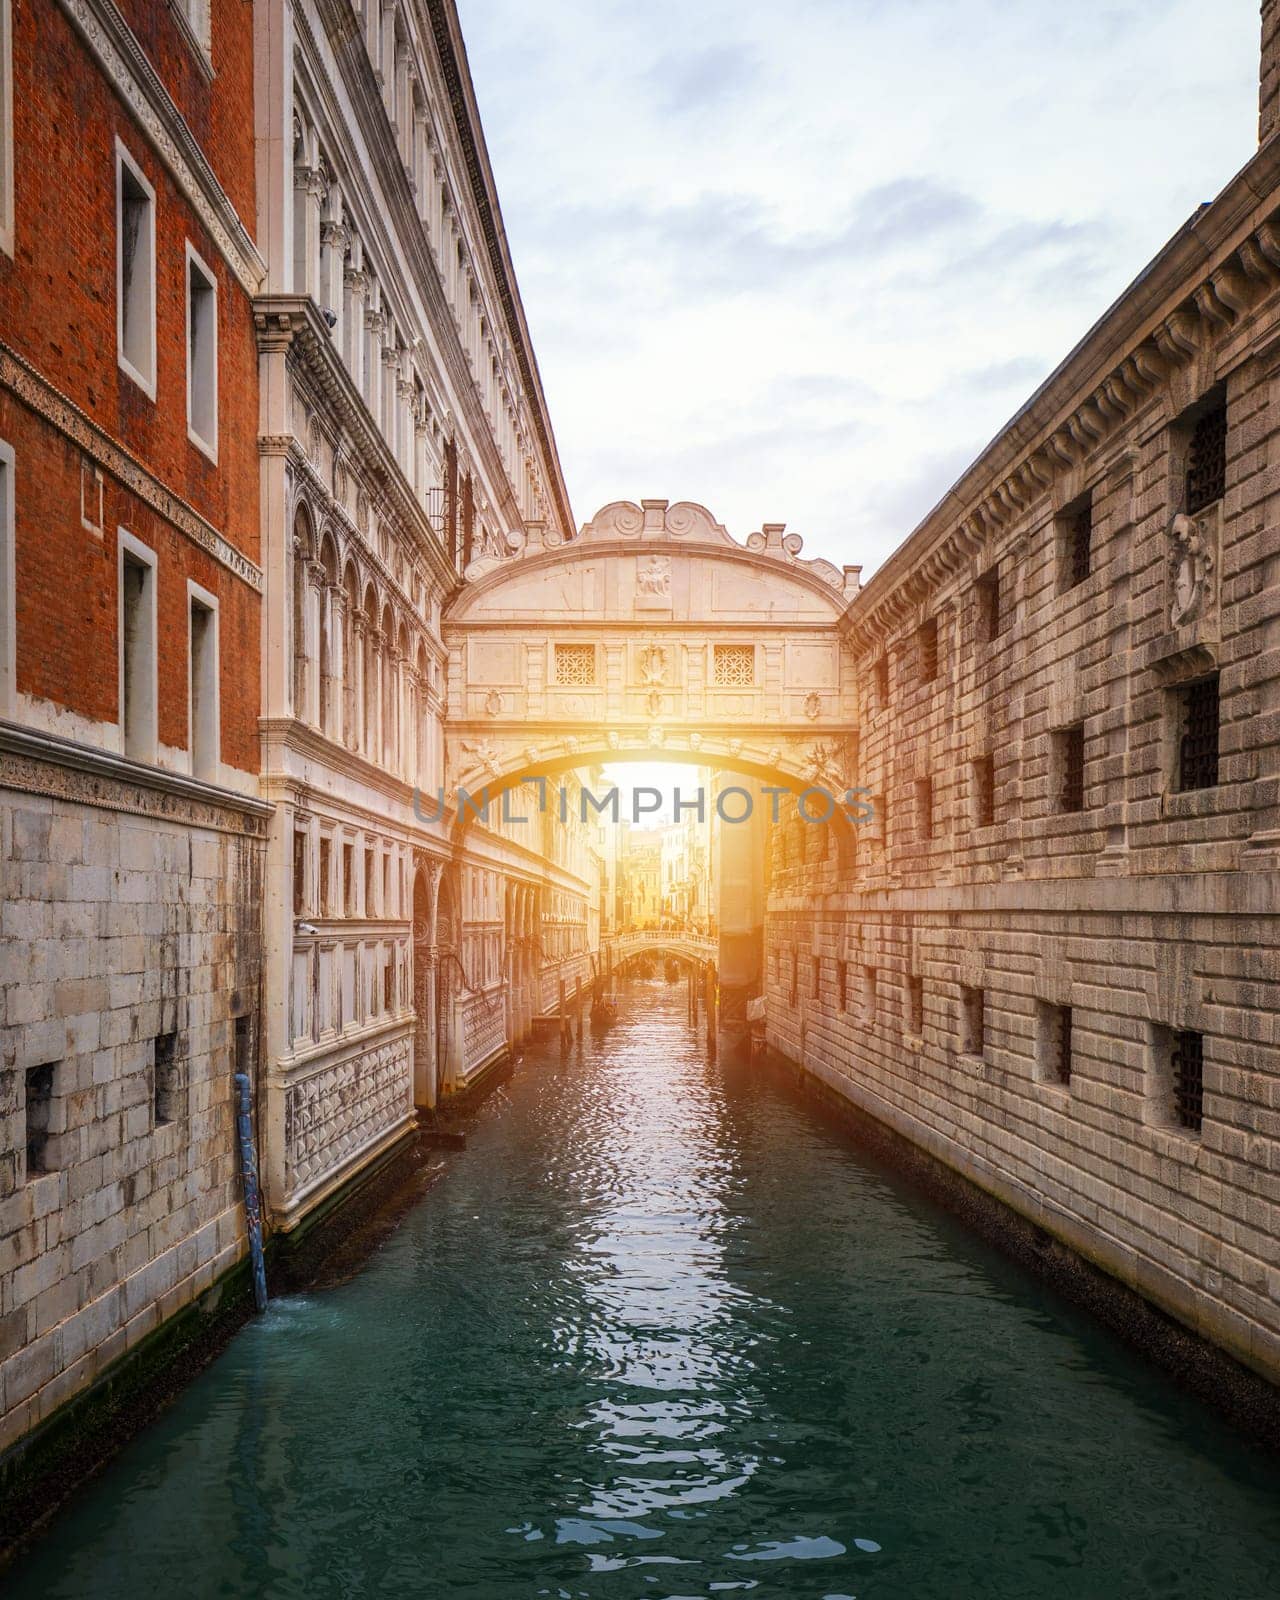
pixel 130 593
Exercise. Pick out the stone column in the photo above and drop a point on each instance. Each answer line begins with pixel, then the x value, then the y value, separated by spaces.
pixel 308 192
pixel 331 717
pixel 359 653
pixel 355 286
pixel 375 327
pixel 334 238
pixel 311 711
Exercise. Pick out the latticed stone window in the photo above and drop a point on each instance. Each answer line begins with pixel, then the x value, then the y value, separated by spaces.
pixel 914 997
pixel 984 791
pixel 1055 1043
pixel 575 665
pixel 924 808
pixel 1187 1061
pixel 734 666
pixel 989 612
pixel 1207 460
pixel 1198 734
pixel 1070 761
pixel 1077 543
pixel 927 650
pixel 973 1020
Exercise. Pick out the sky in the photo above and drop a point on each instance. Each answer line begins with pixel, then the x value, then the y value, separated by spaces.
pixel 800 263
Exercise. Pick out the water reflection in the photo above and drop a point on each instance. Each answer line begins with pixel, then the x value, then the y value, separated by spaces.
pixel 657 1333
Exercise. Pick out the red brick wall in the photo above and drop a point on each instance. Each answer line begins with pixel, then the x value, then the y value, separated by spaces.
pixel 58 310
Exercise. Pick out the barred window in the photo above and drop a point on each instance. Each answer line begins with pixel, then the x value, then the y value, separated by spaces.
pixel 1077 543
pixel 984 792
pixel 927 649
pixel 989 618
pixel 793 991
pixel 734 666
pixel 915 1005
pixel 1207 460
pixel 842 984
pixel 1055 1043
pixel 1197 709
pixel 575 665
pixel 973 1018
pixel 924 808
pixel 882 683
pixel 872 990
pixel 1070 763
pixel 1187 1062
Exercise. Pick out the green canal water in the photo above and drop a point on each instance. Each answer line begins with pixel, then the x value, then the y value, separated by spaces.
pixel 660 1333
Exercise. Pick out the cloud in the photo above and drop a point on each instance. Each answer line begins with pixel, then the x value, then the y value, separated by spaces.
pixel 696 82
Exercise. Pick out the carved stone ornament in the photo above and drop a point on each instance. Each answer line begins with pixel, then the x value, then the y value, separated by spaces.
pixel 653 583
pixel 493 704
pixel 1191 566
pixel 654 702
pixel 812 705
pixel 653 666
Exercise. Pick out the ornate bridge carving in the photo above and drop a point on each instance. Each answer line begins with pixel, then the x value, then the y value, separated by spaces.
pixel 653 634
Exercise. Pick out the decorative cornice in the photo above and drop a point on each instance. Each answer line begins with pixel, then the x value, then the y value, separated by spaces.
pixel 43 763
pixel 1229 289
pixel 457 82
pixel 136 81
pixel 21 379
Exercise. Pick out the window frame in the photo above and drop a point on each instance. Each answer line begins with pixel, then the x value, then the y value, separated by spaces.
pixel 146 382
pixel 131 551
pixel 8 221
pixel 193 259
pixel 8 581
pixel 201 598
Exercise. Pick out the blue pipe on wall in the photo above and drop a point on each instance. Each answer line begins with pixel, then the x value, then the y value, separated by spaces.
pixel 249 1178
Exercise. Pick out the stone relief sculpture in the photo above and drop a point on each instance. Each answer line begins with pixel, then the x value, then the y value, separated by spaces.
pixel 653 666
pixel 1190 568
pixel 653 577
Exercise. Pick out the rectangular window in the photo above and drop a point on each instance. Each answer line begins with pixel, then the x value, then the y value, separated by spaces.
pixel 794 991
pixel 924 808
pixel 915 1006
pixel 388 908
pixel 8 584
pixel 135 272
pixel 842 985
pixel 882 683
pixel 817 976
pixel 1186 1062
pixel 1196 708
pixel 326 856
pixel 734 666
pixel 1206 475
pixel 1054 1040
pixel 927 650
pixel 137 629
pixel 1068 754
pixel 348 880
pixel 575 665
pixel 168 1083
pixel 39 1115
pixel 389 982
pixel 6 127
pixel 299 872
pixel 202 356
pixel 368 881
pixel 203 708
pixel 871 991
pixel 983 780
pixel 973 1020
pixel 988 592
pixel 1075 544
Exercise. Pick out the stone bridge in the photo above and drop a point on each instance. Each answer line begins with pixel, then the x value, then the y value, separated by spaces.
pixel 691 947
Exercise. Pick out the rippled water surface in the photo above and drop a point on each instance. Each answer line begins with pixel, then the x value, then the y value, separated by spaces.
pixel 658 1332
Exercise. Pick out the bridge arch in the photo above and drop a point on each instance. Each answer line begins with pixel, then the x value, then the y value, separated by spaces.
pixel 652 635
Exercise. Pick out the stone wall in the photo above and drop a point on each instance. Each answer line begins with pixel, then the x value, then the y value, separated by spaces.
pixel 129 979
pixel 1070 892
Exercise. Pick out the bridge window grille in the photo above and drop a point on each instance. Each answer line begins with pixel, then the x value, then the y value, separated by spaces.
pixel 794 987
pixel 870 977
pixel 984 791
pixel 1071 768
pixel 575 665
pixel 927 649
pixel 1198 734
pixel 168 1085
pixel 734 666
pixel 1077 552
pixel 842 984
pixel 1207 460
pixel 39 1109
pixel 817 977
pixel 1187 1061
pixel 973 1019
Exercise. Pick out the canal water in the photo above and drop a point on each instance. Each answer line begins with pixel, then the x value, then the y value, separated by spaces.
pixel 660 1333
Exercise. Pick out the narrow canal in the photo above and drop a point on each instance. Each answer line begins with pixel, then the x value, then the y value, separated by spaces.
pixel 659 1332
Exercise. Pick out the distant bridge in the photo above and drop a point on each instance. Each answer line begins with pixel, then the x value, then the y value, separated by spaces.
pixel 684 946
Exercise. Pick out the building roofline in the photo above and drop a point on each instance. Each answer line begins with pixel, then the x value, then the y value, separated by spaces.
pixel 451 50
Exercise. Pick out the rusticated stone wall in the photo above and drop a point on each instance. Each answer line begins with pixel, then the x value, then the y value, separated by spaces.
pixel 1070 891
